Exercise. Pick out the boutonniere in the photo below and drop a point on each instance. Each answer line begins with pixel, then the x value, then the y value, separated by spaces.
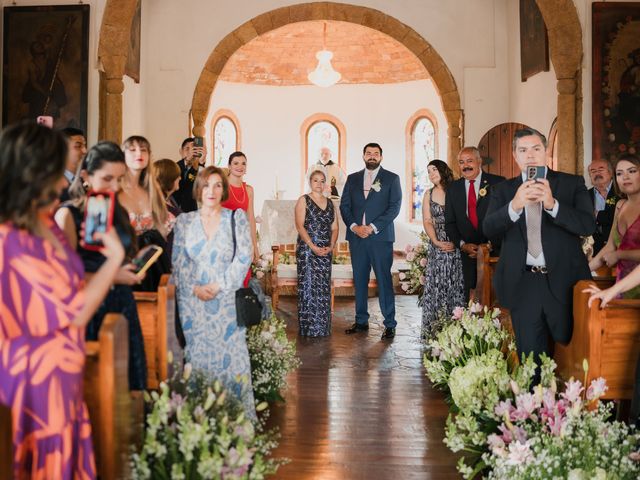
pixel 482 192
pixel 191 177
pixel 611 201
pixel 376 185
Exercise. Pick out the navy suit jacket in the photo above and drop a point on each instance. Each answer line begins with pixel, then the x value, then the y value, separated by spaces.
pixel 380 207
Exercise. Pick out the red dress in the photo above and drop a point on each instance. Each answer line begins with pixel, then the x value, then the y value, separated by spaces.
pixel 238 198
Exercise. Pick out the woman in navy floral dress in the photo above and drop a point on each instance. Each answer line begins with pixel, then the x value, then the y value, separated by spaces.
pixel 317 227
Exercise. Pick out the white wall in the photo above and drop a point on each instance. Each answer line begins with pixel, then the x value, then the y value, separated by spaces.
pixel 270 119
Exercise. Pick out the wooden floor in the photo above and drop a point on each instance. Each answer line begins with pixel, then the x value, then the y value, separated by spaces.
pixel 362 408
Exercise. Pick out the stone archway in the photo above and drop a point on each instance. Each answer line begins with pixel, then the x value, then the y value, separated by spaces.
pixel 565 50
pixel 442 78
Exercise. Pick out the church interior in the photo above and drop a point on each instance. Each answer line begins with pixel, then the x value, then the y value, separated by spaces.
pixel 421 78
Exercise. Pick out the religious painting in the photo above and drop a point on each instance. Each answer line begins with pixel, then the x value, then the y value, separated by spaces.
pixel 616 79
pixel 132 67
pixel 534 44
pixel 225 138
pixel 423 139
pixel 322 134
pixel 45 64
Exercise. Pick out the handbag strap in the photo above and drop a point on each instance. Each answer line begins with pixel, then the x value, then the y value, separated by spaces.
pixel 233 232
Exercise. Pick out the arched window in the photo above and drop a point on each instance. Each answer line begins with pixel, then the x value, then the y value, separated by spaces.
pixel 422 148
pixel 320 131
pixel 226 137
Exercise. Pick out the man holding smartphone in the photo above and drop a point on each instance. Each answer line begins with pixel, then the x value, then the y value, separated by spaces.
pixel 541 215
pixel 193 157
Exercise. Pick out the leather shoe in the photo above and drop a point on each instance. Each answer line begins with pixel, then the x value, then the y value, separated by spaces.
pixel 388 333
pixel 357 327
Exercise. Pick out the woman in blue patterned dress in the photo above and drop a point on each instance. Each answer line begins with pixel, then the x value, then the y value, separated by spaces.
pixel 206 274
pixel 317 227
pixel 443 289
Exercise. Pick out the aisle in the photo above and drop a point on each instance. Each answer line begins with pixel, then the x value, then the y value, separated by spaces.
pixel 359 408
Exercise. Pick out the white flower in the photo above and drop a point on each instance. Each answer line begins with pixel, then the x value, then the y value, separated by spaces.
pixel 376 185
pixel 597 388
pixel 519 453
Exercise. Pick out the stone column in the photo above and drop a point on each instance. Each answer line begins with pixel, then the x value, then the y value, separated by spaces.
pixel 567 161
pixel 112 128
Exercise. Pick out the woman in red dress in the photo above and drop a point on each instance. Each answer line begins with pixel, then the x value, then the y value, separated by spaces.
pixel 241 196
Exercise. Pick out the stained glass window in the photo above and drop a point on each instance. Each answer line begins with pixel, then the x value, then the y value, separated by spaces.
pixel 225 138
pixel 423 138
pixel 320 135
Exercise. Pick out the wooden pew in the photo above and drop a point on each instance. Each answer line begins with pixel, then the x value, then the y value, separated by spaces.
pixel 115 416
pixel 486 265
pixel 342 275
pixel 608 338
pixel 156 311
pixel 282 275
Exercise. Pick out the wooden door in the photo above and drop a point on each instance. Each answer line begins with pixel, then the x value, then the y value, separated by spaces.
pixel 497 152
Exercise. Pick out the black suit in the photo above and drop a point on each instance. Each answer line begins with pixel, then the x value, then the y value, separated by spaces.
pixel 459 227
pixel 604 219
pixel 541 304
pixel 184 195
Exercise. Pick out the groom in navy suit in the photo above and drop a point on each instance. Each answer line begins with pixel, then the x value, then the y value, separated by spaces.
pixel 370 202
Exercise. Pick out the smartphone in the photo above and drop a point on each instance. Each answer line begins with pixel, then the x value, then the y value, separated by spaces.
pixel 145 258
pixel 198 142
pixel 45 120
pixel 535 172
pixel 98 217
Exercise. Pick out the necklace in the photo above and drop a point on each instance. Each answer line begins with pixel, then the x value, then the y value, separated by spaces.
pixel 244 193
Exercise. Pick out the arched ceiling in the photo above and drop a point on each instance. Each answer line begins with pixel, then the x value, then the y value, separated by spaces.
pixel 284 56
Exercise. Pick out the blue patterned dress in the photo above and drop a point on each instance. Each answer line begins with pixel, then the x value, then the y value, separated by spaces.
pixel 314 272
pixel 215 343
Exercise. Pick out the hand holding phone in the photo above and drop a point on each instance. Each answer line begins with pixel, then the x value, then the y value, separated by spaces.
pixel 98 218
pixel 145 258
pixel 45 120
pixel 198 143
pixel 535 172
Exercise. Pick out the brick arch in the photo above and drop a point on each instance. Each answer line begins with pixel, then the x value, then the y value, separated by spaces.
pixel 440 74
pixel 565 50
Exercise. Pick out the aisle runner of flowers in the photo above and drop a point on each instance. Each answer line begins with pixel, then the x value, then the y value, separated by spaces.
pixel 197 430
pixel 412 281
pixel 509 429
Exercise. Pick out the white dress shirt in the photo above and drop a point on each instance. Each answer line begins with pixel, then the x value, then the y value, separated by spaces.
pixel 374 174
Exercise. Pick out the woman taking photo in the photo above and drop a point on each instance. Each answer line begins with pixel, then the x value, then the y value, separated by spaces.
pixel 46 305
pixel 208 268
pixel 241 196
pixel 142 198
pixel 317 226
pixel 102 170
pixel 443 289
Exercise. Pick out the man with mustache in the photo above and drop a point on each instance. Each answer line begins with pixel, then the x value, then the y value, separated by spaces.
pixel 540 215
pixel 465 208
pixel 604 200
pixel 370 202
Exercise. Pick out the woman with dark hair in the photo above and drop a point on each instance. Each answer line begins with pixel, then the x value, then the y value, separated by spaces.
pixel 443 289
pixel 102 170
pixel 241 196
pixel 142 198
pixel 45 305
pixel 210 260
pixel 622 250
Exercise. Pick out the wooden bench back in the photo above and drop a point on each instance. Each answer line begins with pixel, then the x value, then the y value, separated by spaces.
pixel 608 338
pixel 156 311
pixel 6 457
pixel 486 265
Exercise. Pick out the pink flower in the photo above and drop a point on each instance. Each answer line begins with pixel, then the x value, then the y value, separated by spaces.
pixel 423 262
pixel 408 248
pixel 497 445
pixel 525 406
pixel 457 313
pixel 573 389
pixel 402 275
pixel 258 219
pixel 259 274
pixel 423 280
pixel 404 286
pixel 503 408
pixel 519 454
pixel 411 257
pixel 475 307
pixel 597 388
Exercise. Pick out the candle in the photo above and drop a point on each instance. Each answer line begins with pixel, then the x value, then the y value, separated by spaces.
pixel 277 189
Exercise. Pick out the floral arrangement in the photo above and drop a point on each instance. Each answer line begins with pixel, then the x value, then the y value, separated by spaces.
pixel 272 356
pixel 413 280
pixel 511 429
pixel 261 267
pixel 195 430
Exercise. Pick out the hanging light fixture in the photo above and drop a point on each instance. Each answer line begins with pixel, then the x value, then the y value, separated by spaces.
pixel 324 75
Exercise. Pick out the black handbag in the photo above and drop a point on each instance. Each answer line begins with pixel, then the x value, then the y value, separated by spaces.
pixel 248 307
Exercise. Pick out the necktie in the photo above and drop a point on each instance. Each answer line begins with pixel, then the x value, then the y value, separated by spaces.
pixel 472 202
pixel 367 183
pixel 534 237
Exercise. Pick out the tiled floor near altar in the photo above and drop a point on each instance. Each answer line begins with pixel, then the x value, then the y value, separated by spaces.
pixel 359 408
